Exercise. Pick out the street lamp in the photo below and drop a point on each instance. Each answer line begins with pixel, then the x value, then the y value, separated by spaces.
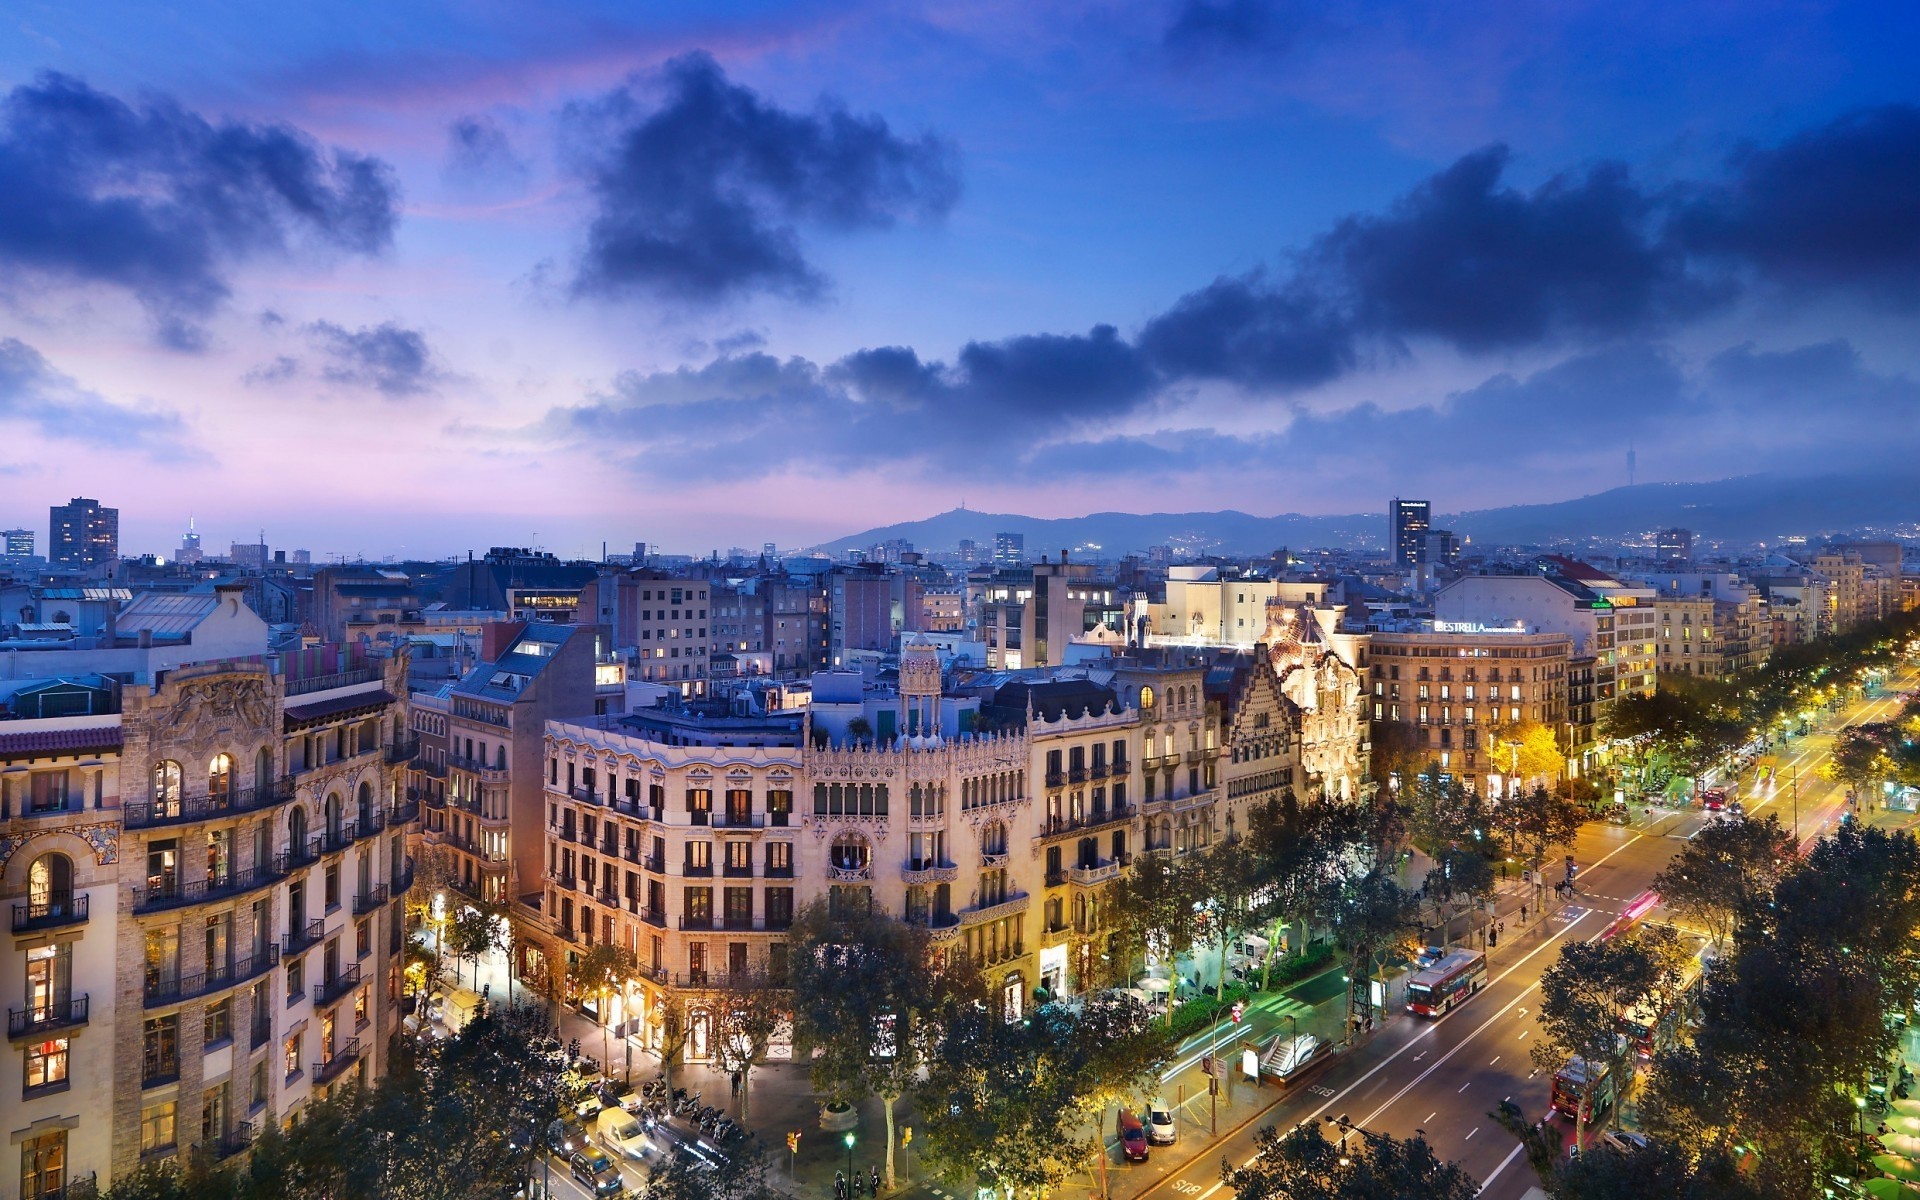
pixel 849 1141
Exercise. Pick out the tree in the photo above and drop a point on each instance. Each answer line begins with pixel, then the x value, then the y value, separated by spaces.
pixel 1154 906
pixel 1724 872
pixel 1369 914
pixel 476 930
pixel 749 1011
pixel 1303 1165
pixel 859 730
pixel 1300 852
pixel 1526 751
pixel 866 988
pixel 1581 998
pixel 1539 823
pixel 603 972
pixel 672 1027
pixel 683 1177
pixel 1460 878
pixel 1012 1103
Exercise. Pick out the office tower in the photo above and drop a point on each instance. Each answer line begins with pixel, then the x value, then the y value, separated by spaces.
pixel 1674 547
pixel 16 543
pixel 1409 521
pixel 81 533
pixel 1009 549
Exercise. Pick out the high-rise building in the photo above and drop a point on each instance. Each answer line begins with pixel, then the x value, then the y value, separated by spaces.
pixel 81 533
pixel 1009 549
pixel 16 543
pixel 190 551
pixel 1674 547
pixel 1408 522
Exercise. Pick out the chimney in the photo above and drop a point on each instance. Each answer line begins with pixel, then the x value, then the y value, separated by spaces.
pixel 497 636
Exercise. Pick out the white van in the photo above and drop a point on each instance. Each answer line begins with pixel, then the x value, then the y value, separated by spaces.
pixel 1249 954
pixel 621 1132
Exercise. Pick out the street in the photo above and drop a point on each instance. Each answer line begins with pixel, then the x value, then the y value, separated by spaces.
pixel 1442 1078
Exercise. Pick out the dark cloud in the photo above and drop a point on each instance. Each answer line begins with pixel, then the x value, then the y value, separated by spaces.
pixel 1235 25
pixel 33 392
pixel 702 197
pixel 478 148
pixel 161 202
pixel 1832 207
pixel 1485 267
pixel 391 360
pixel 387 358
pixel 1251 333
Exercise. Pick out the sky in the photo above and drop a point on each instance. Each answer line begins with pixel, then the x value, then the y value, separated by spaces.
pixel 414 279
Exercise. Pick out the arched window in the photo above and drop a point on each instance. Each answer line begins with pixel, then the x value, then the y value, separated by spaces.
pixel 263 771
pixel 1146 697
pixel 332 816
pixel 167 785
pixel 993 838
pixel 50 885
pixel 365 805
pixel 220 779
pixel 850 852
pixel 297 830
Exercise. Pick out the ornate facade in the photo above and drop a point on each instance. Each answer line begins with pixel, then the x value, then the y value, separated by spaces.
pixel 205 893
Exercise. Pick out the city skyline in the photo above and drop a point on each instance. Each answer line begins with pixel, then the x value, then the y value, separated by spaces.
pixel 756 268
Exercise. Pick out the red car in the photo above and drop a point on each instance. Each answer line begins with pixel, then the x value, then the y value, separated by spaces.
pixel 1133 1138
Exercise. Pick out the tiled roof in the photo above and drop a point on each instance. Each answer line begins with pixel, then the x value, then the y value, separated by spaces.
pixel 59 741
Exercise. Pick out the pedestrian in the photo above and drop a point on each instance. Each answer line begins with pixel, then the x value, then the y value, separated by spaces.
pixel 1523 914
pixel 839 1186
pixel 874 1179
pixel 1501 925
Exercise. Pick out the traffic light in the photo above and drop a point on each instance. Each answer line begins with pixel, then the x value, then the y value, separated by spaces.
pixel 906 1136
pixel 793 1142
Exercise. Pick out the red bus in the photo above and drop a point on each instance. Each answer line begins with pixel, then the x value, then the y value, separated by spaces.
pixel 1449 980
pixel 1572 1080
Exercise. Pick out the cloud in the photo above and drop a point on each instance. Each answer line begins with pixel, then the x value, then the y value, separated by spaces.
pixel 1832 207
pixel 161 202
pixel 32 392
pixel 703 196
pixel 478 148
pixel 1252 333
pixel 387 358
pixel 1235 26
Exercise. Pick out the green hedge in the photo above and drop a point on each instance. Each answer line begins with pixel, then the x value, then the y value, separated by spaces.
pixel 1198 1013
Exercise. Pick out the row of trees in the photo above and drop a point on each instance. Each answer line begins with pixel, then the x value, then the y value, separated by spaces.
pixel 1814 954
pixel 1691 722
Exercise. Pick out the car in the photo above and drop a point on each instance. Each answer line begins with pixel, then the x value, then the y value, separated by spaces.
pixel 1713 799
pixel 594 1169
pixel 1625 1141
pixel 1133 1138
pixel 624 1135
pixel 1161 1130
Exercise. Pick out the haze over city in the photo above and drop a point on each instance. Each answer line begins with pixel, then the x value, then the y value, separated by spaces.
pixel 407 282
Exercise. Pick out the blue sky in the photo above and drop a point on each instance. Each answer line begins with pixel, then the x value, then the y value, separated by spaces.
pixel 409 279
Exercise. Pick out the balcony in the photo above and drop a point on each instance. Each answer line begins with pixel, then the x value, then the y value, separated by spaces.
pixel 697 870
pixel 1077 775
pixel 1055 935
pixel 697 923
pixel 1195 757
pixel 475 767
pixel 234 1141
pixel 50 913
pixel 851 874
pixel 406 811
pixel 982 913
pixel 329 990
pixel 929 872
pixel 1092 819
pixel 304 855
pixel 303 937
pixel 990 861
pixel 1156 762
pixel 1056 878
pixel 927 820
pixel 737 870
pixel 342 1057
pixel 739 820
pixel 152 814
pixel 565 880
pixel 402 879
pixel 933 921
pixel 654 917
pixel 1097 771
pixel 337 679
pixel 1090 876
pixel 1120 769
pixel 654 863
pixel 611 899
pixel 338 838
pixel 172 893
pixel 162 988
pixel 371 825
pixel 35 1021
pixel 402 749
pixel 1056 779
pixel 373 898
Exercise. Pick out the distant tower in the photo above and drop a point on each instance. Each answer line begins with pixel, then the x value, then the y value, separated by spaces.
pixel 919 690
pixel 1408 522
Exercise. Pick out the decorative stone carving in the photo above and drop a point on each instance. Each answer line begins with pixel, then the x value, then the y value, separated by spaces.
pixel 103 837
pixel 206 705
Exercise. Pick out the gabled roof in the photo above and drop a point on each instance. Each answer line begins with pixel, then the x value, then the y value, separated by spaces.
pixel 166 614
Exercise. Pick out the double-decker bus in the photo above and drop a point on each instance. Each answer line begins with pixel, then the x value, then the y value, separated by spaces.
pixel 1581 1084
pixel 1446 982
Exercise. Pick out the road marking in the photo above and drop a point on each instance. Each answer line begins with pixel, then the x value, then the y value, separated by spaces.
pixel 1495 1062
pixel 1471 1132
pixel 1523 1035
pixel 1463 1087
pixel 1430 1117
pixel 1504 1164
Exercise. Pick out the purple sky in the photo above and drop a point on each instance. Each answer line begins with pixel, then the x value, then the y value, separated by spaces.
pixel 408 279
